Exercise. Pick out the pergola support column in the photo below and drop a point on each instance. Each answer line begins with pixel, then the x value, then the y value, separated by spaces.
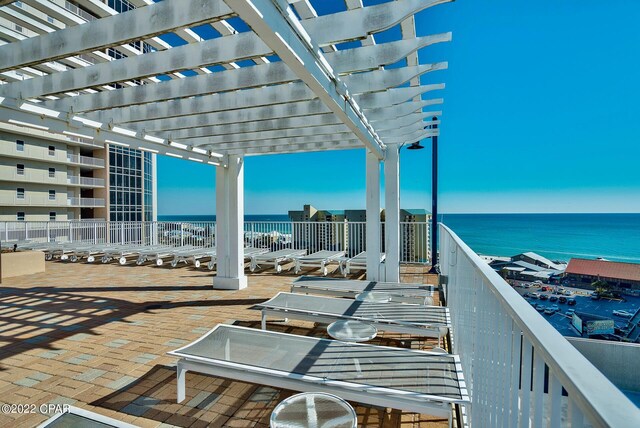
pixel 230 225
pixel 392 214
pixel 373 216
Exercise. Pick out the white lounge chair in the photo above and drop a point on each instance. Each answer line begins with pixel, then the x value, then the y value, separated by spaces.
pixel 357 262
pixel 404 379
pixel 275 257
pixel 319 259
pixel 192 255
pixel 418 320
pixel 155 254
pixel 75 417
pixel 350 288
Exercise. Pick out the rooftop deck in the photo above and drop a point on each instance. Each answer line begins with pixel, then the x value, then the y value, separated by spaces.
pixel 96 336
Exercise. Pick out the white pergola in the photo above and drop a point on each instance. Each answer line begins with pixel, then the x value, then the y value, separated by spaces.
pixel 283 80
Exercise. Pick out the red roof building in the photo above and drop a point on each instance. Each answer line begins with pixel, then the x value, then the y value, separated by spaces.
pixel 584 272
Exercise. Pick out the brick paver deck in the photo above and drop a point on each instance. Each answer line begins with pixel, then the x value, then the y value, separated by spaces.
pixel 96 336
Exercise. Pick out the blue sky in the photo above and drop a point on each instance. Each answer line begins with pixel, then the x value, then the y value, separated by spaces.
pixel 539 116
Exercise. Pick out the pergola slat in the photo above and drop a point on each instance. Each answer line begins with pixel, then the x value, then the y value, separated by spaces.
pixel 115 30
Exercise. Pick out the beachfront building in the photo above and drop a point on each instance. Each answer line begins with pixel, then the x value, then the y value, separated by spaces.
pixel 47 177
pixel 624 277
pixel 236 78
pixel 527 266
pixel 44 177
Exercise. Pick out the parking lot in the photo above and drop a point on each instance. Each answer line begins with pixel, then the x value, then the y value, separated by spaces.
pixel 584 303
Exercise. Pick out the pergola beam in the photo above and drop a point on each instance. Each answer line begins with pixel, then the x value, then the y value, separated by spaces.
pixel 222 81
pixel 309 121
pixel 207 52
pixel 301 108
pixel 28 115
pixel 115 30
pixel 235 100
pixel 359 23
pixel 282 32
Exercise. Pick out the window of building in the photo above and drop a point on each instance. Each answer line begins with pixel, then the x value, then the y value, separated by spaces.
pixel 52 150
pixel 18 4
pixel 20 216
pixel 20 193
pixel 49 19
pixel 52 216
pixel 20 169
pixel 52 195
pixel 18 28
pixel 20 145
pixel 52 173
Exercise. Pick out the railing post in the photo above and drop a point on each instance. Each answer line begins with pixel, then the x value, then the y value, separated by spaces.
pixel 26 231
pixel 122 232
pixel 70 232
pixel 48 232
pixel 95 233
pixel 182 234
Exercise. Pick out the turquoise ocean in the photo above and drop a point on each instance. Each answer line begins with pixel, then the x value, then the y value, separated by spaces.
pixel 556 236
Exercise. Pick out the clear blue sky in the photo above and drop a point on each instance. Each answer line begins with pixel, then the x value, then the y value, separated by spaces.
pixel 540 115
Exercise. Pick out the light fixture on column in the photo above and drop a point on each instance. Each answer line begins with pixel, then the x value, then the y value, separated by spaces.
pixel 415 146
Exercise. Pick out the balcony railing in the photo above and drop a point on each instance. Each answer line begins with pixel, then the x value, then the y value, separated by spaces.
pixel 85 160
pixel 520 371
pixel 85 202
pixel 85 181
pixel 312 236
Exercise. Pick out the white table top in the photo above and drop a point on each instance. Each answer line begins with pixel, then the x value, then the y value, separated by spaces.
pixel 373 297
pixel 314 410
pixel 352 331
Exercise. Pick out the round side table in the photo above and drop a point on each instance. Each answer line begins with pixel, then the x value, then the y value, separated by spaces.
pixel 352 331
pixel 373 297
pixel 314 410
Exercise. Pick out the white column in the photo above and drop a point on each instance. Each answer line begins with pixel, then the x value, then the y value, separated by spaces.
pixel 392 214
pixel 373 217
pixel 230 225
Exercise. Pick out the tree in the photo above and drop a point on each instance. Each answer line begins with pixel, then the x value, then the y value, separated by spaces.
pixel 601 287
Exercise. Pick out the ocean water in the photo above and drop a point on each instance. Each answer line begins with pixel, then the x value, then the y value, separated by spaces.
pixel 556 236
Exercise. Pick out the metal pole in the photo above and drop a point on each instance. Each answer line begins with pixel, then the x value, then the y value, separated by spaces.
pixel 434 200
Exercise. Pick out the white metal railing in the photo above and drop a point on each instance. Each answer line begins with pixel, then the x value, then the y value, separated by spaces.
pixel 88 181
pixel 312 236
pixel 520 371
pixel 85 202
pixel 85 160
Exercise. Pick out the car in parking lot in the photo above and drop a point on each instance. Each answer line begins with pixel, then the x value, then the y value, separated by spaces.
pixel 534 295
pixel 571 301
pixel 553 298
pixel 570 312
pixel 543 297
pixel 562 299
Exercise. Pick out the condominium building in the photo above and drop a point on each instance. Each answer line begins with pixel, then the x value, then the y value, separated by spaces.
pixel 47 177
pixel 352 233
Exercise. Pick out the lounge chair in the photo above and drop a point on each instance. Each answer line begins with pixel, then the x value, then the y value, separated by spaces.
pixel 122 253
pixel 418 320
pixel 350 288
pixel 75 417
pixel 359 261
pixel 319 259
pixel 156 254
pixel 192 255
pixel 275 257
pixel 404 379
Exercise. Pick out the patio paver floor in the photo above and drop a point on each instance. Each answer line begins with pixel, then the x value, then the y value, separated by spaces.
pixel 96 336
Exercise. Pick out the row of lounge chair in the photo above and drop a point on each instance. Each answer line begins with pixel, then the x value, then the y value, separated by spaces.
pixel 159 254
pixel 409 380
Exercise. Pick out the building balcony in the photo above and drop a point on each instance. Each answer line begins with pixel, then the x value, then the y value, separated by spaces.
pixel 85 181
pixel 85 161
pixel 86 202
